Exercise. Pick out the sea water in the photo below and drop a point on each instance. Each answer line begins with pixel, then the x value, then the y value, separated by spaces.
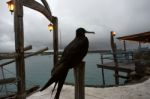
pixel 38 71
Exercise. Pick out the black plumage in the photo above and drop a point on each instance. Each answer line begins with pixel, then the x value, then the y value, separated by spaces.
pixel 72 55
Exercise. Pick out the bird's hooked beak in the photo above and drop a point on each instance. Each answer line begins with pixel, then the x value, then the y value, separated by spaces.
pixel 90 32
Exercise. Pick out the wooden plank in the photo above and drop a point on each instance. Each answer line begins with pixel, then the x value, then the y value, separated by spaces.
pixel 8 80
pixel 122 67
pixel 121 76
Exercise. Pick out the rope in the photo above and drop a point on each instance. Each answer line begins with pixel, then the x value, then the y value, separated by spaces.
pixel 1 88
pixel 11 83
pixel 3 76
pixel 2 85
pixel 18 78
pixel 9 71
pixel 30 83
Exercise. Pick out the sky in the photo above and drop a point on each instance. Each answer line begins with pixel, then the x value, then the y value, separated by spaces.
pixel 125 17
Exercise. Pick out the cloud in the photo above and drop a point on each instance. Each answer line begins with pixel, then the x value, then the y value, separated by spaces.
pixel 123 16
pixel 7 43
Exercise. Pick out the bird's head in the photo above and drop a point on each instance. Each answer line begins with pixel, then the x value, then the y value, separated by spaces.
pixel 80 32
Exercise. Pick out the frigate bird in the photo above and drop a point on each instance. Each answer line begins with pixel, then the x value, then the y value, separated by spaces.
pixel 72 55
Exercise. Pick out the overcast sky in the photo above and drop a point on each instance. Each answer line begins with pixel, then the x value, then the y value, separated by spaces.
pixel 123 16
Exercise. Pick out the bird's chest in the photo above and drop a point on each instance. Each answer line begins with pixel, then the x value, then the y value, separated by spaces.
pixel 76 52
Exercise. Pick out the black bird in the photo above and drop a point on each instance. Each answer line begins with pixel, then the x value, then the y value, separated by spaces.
pixel 71 57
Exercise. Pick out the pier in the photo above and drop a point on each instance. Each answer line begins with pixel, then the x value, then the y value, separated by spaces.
pixel 127 68
pixel 122 61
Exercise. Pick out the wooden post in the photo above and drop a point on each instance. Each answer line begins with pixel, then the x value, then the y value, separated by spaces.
pixel 132 55
pixel 116 68
pixel 102 70
pixel 55 39
pixel 19 47
pixel 79 73
pixel 139 45
pixel 124 45
pixel 113 46
pixel 126 55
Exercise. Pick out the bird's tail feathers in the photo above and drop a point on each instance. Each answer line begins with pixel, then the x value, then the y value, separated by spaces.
pixel 52 80
pixel 54 88
pixel 60 83
pixel 58 71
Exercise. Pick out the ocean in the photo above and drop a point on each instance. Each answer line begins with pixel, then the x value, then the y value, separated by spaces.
pixel 38 71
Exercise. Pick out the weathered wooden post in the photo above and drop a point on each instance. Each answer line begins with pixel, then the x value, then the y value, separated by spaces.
pixel 79 73
pixel 124 45
pixel 139 45
pixel 102 70
pixel 19 47
pixel 55 39
pixel 19 38
pixel 113 46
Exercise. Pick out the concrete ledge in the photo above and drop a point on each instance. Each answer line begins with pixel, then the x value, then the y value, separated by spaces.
pixel 137 91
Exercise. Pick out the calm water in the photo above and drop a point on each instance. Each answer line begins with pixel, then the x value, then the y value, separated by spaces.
pixel 38 70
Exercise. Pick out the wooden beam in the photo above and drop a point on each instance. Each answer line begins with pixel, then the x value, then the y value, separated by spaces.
pixel 39 7
pixel 142 37
pixel 8 55
pixel 29 47
pixel 38 52
pixel 35 53
pixel 46 5
pixel 13 55
pixel 121 76
pixel 7 81
pixel 121 69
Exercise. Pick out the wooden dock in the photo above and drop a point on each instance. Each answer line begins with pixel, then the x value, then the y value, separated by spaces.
pixel 122 67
